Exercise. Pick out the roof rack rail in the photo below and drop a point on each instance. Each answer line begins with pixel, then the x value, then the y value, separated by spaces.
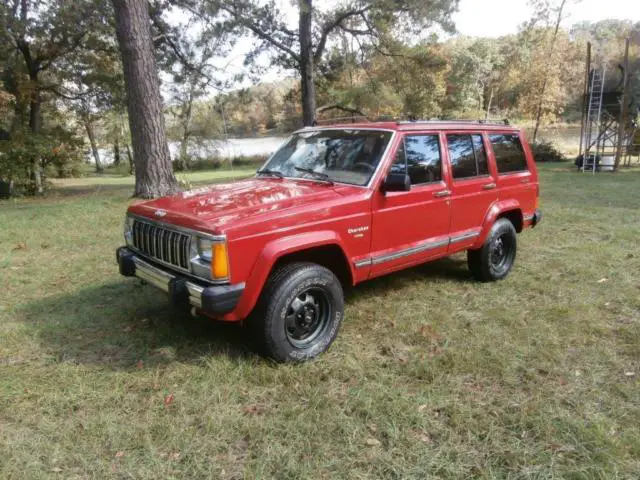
pixel 470 122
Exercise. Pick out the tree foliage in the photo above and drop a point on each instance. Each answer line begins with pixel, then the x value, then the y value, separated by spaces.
pixel 62 88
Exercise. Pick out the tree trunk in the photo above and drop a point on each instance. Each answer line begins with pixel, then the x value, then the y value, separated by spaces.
pixel 88 126
pixel 153 169
pixel 486 117
pixel 183 156
pixel 543 90
pixel 116 152
pixel 307 85
pixel 35 122
pixel 185 118
pixel 130 159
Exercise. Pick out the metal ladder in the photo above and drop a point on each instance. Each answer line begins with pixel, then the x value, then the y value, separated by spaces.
pixel 594 114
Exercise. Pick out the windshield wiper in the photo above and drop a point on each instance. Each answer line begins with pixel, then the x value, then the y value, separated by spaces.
pixel 323 177
pixel 272 173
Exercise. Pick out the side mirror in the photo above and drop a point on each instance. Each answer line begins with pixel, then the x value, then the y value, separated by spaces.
pixel 396 182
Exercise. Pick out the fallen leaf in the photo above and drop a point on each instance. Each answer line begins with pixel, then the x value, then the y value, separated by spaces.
pixel 402 357
pixel 423 407
pixel 629 374
pixel 602 280
pixel 373 442
pixel 562 381
pixel 425 438
pixel 127 329
pixel 140 364
pixel 254 409
pixel 119 454
pixel 175 456
pixel 168 400
pixel 56 469
pixel 20 246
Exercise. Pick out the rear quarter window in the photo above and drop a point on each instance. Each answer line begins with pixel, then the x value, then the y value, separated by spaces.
pixel 509 153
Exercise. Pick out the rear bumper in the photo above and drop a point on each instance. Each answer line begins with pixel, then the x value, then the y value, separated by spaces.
pixel 537 217
pixel 214 301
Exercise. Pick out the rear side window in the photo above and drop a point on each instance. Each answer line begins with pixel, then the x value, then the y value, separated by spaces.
pixel 419 156
pixel 467 155
pixel 509 153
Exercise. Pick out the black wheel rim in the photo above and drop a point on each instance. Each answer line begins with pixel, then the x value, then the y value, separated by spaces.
pixel 307 317
pixel 500 253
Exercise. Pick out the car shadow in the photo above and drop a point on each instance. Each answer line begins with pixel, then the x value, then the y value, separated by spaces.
pixel 126 325
pixel 448 268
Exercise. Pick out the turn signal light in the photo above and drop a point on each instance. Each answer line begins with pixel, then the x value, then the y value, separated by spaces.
pixel 220 262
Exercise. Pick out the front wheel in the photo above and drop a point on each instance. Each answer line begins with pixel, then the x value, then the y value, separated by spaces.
pixel 493 261
pixel 299 313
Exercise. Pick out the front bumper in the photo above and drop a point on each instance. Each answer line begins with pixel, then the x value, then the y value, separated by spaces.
pixel 210 300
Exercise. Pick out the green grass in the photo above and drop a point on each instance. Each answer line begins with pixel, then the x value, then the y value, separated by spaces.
pixel 432 376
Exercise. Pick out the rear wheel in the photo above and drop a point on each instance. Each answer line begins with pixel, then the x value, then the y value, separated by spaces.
pixel 494 260
pixel 299 313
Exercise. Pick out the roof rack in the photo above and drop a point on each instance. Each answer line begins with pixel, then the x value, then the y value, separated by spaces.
pixel 470 122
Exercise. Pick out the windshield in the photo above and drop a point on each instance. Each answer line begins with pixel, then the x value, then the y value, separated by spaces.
pixel 343 156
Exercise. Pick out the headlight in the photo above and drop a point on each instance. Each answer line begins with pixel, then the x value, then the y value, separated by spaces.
pixel 213 253
pixel 128 230
pixel 205 248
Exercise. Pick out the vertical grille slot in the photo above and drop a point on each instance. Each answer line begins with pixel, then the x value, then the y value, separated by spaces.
pixel 162 244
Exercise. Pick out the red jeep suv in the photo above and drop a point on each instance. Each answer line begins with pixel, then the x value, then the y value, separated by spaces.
pixel 336 206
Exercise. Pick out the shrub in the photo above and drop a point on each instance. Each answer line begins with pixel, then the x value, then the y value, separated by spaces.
pixel 59 155
pixel 547 152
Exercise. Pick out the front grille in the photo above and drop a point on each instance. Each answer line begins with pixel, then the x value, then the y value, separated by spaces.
pixel 168 246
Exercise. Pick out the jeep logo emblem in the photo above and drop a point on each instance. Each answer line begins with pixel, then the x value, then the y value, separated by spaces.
pixel 160 213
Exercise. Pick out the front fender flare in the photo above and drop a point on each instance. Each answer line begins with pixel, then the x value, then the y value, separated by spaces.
pixel 275 250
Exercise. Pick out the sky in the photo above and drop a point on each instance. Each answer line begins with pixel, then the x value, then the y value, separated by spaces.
pixel 494 18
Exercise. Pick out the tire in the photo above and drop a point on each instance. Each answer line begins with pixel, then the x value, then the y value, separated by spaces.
pixel 299 313
pixel 494 260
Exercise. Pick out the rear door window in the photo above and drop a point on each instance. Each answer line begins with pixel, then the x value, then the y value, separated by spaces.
pixel 467 155
pixel 509 153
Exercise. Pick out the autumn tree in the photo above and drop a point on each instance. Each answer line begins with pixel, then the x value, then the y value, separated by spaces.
pixel 43 34
pixel 302 47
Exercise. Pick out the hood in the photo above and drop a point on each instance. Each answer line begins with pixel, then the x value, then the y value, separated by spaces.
pixel 217 207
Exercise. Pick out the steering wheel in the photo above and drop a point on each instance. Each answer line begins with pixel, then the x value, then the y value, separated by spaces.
pixel 365 166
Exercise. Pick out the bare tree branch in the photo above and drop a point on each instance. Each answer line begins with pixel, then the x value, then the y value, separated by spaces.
pixel 246 22
pixel 331 25
pixel 342 108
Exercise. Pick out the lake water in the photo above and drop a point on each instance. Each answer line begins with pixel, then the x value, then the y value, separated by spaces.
pixel 232 148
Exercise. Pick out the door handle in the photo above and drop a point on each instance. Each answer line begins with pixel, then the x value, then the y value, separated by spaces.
pixel 489 186
pixel 525 180
pixel 443 193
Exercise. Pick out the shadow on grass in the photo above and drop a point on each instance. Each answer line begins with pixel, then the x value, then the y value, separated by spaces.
pixel 449 268
pixel 120 324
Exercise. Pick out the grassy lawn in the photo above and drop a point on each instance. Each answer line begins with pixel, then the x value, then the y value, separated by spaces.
pixel 432 376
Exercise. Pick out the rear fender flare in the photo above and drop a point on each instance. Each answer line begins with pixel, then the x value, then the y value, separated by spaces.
pixel 494 212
